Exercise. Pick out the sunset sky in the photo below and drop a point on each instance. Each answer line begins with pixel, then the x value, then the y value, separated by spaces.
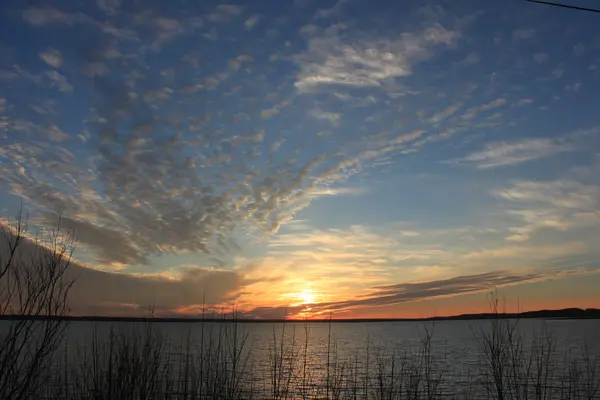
pixel 360 158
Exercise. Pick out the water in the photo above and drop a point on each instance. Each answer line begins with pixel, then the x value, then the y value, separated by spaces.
pixel 346 352
pixel 330 360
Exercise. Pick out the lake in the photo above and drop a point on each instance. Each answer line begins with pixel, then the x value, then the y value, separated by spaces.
pixel 445 359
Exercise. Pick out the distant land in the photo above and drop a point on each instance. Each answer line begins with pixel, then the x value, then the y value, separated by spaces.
pixel 567 313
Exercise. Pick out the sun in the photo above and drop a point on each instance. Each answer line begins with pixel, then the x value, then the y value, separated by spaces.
pixel 306 296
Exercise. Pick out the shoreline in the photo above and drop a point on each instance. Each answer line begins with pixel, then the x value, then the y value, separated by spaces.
pixel 570 313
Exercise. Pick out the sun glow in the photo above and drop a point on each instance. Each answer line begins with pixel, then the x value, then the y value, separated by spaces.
pixel 306 296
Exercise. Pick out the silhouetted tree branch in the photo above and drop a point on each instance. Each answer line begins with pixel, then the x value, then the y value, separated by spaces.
pixel 33 282
pixel 565 6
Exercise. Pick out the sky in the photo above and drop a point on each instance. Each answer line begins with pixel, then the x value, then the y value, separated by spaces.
pixel 306 158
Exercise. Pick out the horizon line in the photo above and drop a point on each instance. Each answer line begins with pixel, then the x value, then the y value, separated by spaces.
pixel 565 313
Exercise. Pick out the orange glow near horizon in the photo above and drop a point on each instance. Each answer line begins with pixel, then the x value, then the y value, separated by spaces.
pixel 302 299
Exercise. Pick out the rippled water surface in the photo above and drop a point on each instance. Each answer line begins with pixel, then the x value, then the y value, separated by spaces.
pixel 300 355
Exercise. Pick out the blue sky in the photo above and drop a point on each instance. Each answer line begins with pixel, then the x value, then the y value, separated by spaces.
pixel 279 153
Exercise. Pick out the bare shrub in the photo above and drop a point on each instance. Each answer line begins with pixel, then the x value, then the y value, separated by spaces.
pixel 34 285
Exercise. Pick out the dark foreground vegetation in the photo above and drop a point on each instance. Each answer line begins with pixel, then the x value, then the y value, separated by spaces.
pixel 139 361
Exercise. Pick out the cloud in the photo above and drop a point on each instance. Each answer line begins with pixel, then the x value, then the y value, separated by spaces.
pixel 501 154
pixel 60 81
pixel 55 134
pixel 473 112
pixel 524 102
pixel 412 292
pixel 112 246
pixel 559 205
pixel 523 34
pixel 187 289
pixel 337 263
pixel 471 59
pixel 40 16
pixel 558 193
pixel 445 113
pixel 280 312
pixel 94 69
pixel 333 118
pixel 333 10
pixel 52 57
pixel 558 72
pixel 338 191
pixel 109 293
pixel 179 152
pixel 162 29
pixel 225 13
pixel 268 113
pixel 540 57
pixel 251 22
pixel 453 286
pixel 109 6
pixel 536 221
pixel 154 30
pixel 372 256
pixel 521 255
pixel 362 62
pixel 148 184
pixel 379 147
pixel 494 104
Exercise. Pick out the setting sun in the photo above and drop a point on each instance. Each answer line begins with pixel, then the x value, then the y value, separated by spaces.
pixel 306 296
